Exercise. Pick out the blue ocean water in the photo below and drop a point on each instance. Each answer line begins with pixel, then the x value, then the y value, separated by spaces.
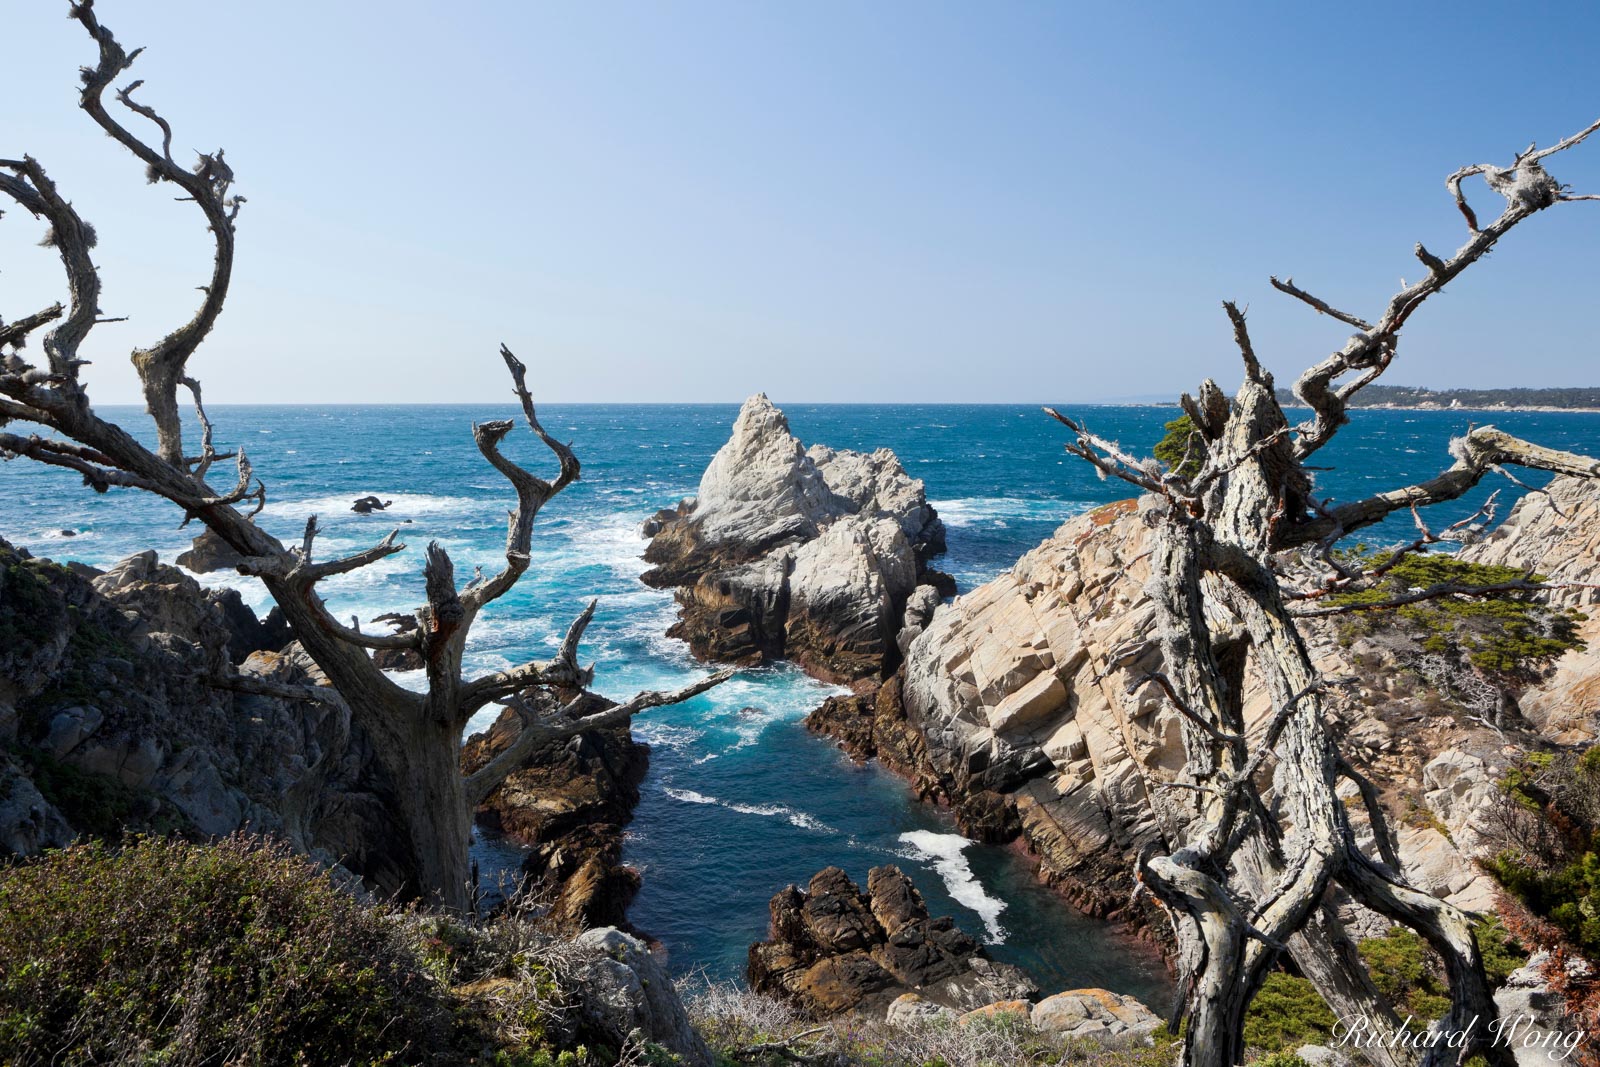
pixel 740 799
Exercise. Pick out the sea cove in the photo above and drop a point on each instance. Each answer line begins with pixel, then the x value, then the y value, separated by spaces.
pixel 739 800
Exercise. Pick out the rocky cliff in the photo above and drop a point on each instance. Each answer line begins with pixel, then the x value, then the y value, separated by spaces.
pixel 1026 705
pixel 108 714
pixel 1557 534
pixel 784 552
pixel 109 722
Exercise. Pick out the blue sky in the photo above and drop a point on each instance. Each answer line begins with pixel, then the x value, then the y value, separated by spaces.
pixel 827 201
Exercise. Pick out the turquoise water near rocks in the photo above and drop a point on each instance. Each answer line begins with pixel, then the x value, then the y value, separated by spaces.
pixel 740 800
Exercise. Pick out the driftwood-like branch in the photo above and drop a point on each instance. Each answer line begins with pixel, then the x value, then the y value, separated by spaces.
pixel 561 673
pixel 1478 453
pixel 532 492
pixel 1323 307
pixel 1526 188
pixel 1109 458
pixel 162 366
pixel 248 683
pixel 14 333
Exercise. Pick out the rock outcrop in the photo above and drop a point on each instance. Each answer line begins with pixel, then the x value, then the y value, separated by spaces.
pixel 107 702
pixel 835 950
pixel 569 805
pixel 109 721
pixel 788 553
pixel 1026 705
pixel 1557 534
pixel 628 997
pixel 1106 1017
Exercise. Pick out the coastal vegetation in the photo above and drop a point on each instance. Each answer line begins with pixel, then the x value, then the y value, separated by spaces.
pixel 1480 614
pixel 1240 819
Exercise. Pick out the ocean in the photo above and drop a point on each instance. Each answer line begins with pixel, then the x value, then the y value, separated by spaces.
pixel 740 800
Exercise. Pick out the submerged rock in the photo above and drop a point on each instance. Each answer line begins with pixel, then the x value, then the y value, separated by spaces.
pixel 835 950
pixel 809 555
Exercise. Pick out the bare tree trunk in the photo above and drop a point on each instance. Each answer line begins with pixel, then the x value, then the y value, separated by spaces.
pixel 1248 882
pixel 416 737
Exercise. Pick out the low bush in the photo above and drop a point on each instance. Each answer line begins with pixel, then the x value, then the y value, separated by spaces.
pixel 242 953
pixel 162 952
pixel 1509 634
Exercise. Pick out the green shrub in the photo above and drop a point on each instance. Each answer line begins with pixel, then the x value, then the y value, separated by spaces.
pixel 1506 634
pixel 162 952
pixel 1287 1013
pixel 1173 449
pixel 1403 969
pixel 1567 895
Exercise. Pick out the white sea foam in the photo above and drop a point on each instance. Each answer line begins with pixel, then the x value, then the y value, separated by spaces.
pixel 804 820
pixel 689 796
pixel 947 854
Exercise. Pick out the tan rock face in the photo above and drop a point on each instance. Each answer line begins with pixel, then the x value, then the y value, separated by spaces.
pixel 1022 687
pixel 1033 690
pixel 1557 534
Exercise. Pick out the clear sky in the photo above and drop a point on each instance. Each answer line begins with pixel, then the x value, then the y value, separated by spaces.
pixel 827 201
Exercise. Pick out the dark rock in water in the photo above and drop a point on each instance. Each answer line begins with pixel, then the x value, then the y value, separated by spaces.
pixel 399 659
pixel 837 951
pixel 658 522
pixel 569 803
pixel 367 504
pixel 208 553
pixel 785 552
pixel 69 533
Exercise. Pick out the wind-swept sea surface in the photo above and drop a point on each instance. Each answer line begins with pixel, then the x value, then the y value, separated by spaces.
pixel 740 799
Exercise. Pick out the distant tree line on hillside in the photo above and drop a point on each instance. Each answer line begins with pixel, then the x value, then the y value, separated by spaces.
pixel 1378 396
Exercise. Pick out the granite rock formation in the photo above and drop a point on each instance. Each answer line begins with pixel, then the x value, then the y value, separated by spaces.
pixel 835 950
pixel 788 553
pixel 108 707
pixel 1027 705
pixel 628 995
pixel 109 721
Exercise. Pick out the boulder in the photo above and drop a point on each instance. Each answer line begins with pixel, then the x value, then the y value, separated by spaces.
pixel 1534 1015
pixel 835 950
pixel 784 552
pixel 29 823
pixel 1017 1009
pixel 1110 1018
pixel 909 1010
pixel 627 995
pixel 207 553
